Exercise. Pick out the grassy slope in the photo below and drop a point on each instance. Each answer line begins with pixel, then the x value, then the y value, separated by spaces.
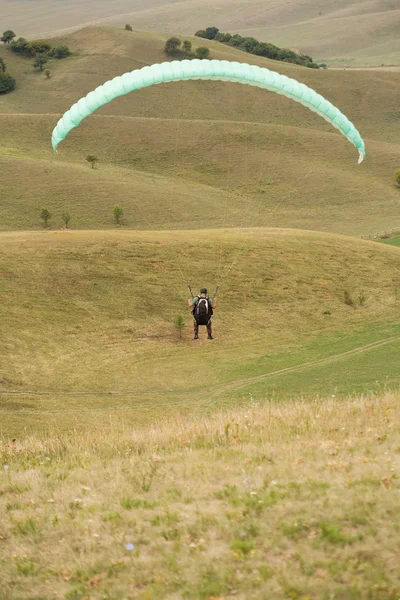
pixel 348 31
pixel 66 293
pixel 281 160
pixel 285 502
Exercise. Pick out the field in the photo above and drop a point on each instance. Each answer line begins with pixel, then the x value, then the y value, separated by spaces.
pixel 94 314
pixel 188 146
pixel 348 32
pixel 135 461
pixel 285 501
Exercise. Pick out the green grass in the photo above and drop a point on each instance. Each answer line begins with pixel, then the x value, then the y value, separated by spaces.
pixel 68 293
pixel 285 501
pixel 394 241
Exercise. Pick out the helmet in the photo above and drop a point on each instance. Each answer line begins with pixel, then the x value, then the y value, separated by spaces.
pixel 203 291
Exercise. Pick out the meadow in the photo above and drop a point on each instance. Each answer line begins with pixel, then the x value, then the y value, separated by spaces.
pixel 137 462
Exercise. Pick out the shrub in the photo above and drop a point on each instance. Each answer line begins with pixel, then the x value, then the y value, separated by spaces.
pixel 60 52
pixel 187 46
pixel 172 46
pixel 66 217
pixel 7 83
pixel 118 213
pixel 47 73
pixel 45 215
pixel 180 325
pixel 91 159
pixel 2 66
pixel 22 47
pixel 128 28
pixel 202 52
pixel 397 177
pixel 348 299
pixel 41 46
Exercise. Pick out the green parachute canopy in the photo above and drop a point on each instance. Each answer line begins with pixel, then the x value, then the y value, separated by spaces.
pixel 218 70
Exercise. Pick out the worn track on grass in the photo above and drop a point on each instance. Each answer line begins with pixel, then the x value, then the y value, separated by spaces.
pixel 211 393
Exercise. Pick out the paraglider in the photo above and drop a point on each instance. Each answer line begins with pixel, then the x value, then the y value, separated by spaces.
pixel 218 70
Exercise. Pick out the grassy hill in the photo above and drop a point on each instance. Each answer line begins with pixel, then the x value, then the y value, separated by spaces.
pixel 186 146
pixel 283 327
pixel 356 32
pixel 296 500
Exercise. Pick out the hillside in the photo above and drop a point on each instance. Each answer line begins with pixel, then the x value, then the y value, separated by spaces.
pixel 192 145
pixel 283 327
pixel 288 501
pixel 355 32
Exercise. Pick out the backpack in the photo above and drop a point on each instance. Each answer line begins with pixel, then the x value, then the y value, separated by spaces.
pixel 202 312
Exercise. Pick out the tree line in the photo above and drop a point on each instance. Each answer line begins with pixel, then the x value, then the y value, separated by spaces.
pixel 178 49
pixel 254 46
pixel 39 50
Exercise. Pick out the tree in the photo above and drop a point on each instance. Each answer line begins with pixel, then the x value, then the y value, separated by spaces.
pixel 397 177
pixel 47 73
pixel 201 33
pixel 40 61
pixel 7 36
pixel 66 217
pixel 179 325
pixel 202 52
pixel 92 160
pixel 172 46
pixel 212 32
pixel 7 83
pixel 118 213
pixel 187 46
pixel 45 215
pixel 128 28
pixel 2 66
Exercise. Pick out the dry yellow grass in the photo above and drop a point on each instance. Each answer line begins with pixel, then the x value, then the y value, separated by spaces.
pixel 290 501
pixel 349 30
pixel 285 164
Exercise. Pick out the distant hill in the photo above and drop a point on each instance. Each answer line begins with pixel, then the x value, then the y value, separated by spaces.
pixel 196 148
pixel 354 32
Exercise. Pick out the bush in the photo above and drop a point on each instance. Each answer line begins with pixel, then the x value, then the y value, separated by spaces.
pixel 66 217
pixel 202 52
pixel 60 52
pixel 397 177
pixel 172 46
pixel 187 46
pixel 128 28
pixel 47 73
pixel 179 325
pixel 7 83
pixel 201 33
pixel 45 215
pixel 41 46
pixel 348 299
pixel 118 213
pixel 91 159
pixel 2 66
pixel 22 47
